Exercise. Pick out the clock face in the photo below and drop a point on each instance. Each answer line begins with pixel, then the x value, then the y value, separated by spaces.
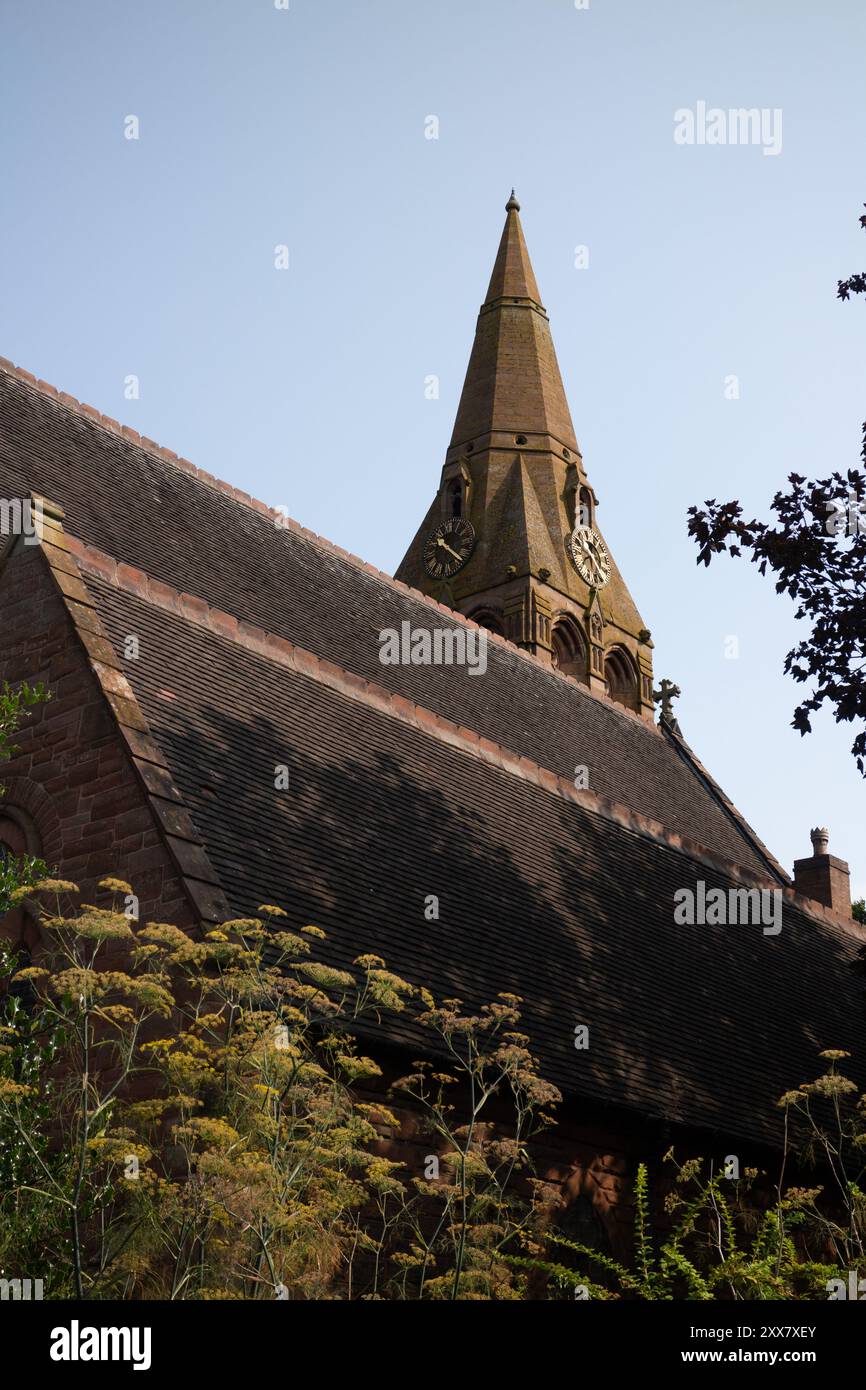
pixel 449 547
pixel 589 556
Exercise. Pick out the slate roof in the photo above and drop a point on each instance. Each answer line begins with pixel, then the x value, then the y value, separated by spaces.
pixel 537 895
pixel 562 899
pixel 142 508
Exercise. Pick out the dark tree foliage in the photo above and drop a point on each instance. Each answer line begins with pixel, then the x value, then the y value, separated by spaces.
pixel 816 547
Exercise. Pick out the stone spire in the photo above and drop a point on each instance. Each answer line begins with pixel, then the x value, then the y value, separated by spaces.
pixel 511 537
pixel 513 383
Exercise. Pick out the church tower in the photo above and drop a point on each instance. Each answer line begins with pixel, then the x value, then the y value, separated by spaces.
pixel 512 537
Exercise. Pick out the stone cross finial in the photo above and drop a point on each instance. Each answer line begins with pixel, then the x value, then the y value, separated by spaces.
pixel 667 692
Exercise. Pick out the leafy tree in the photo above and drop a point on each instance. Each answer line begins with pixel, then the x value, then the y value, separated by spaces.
pixel 24 1047
pixel 817 549
pixel 14 704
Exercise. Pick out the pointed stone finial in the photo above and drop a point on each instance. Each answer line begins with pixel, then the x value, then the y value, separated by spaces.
pixel 512 205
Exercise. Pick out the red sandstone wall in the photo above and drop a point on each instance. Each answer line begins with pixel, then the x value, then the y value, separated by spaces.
pixel 73 776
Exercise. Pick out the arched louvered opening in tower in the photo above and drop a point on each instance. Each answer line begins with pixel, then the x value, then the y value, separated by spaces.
pixel 569 649
pixel 491 618
pixel 621 677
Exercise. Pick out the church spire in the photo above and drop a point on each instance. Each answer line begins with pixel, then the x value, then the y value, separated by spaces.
pixel 513 385
pixel 512 536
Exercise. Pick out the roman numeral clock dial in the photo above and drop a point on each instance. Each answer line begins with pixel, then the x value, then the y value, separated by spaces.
pixel 589 556
pixel 448 548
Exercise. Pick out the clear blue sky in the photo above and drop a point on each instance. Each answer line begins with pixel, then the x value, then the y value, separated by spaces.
pixel 306 127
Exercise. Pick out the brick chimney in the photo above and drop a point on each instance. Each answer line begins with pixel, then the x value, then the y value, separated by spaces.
pixel 824 877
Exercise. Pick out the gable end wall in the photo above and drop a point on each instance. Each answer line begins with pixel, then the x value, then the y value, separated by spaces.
pixel 73 775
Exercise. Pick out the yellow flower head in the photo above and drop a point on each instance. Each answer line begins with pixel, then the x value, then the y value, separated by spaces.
pixel 115 885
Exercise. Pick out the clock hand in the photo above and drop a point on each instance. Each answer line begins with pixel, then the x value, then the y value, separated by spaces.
pixel 595 552
pixel 439 541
